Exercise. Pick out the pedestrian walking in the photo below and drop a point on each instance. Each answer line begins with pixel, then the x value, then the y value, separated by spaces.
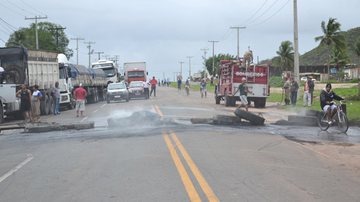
pixel 25 102
pixel 307 94
pixel 80 96
pixel 294 87
pixel 179 83
pixel 286 89
pixel 146 89
pixel 244 90
pixel 153 84
pixel 203 88
pixel 35 100
pixel 56 97
pixel 187 86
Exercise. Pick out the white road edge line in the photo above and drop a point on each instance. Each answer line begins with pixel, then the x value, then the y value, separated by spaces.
pixel 84 119
pixel 20 165
pixel 103 105
pixel 95 111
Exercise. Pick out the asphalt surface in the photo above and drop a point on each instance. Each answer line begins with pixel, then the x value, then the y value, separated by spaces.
pixel 163 157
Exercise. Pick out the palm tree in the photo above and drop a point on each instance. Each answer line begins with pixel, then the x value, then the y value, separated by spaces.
pixel 285 55
pixel 332 37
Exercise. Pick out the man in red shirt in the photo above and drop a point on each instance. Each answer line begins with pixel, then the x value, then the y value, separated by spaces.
pixel 153 83
pixel 80 96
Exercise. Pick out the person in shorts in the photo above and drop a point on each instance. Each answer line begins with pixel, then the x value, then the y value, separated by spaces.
pixel 25 102
pixel 244 90
pixel 326 102
pixel 80 96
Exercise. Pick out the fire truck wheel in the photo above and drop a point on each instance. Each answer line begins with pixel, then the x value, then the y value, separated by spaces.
pixel 253 118
pixel 260 103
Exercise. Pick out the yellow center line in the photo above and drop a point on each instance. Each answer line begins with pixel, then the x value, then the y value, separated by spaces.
pixel 195 170
pixel 189 186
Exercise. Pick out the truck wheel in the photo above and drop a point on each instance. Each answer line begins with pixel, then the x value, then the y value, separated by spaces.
pixel 217 99
pixel 16 74
pixel 227 101
pixel 253 118
pixel 260 102
pixel 2 119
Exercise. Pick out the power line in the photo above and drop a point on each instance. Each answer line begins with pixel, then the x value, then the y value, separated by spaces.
pixel 255 13
pixel 89 47
pixel 28 5
pixel 77 48
pixel 20 8
pixel 9 25
pixel 14 11
pixel 267 19
pixel 267 10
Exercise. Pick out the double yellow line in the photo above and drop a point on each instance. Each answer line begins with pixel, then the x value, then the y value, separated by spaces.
pixel 173 143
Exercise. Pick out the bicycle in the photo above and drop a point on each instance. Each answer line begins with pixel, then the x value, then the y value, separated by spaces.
pixel 339 118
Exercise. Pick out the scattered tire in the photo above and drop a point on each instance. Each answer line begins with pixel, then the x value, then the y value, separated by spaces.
pixel 251 117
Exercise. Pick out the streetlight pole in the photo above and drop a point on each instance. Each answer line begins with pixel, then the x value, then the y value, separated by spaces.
pixel 296 43
pixel 213 56
pixel 189 66
pixel 181 69
pixel 238 46
pixel 204 57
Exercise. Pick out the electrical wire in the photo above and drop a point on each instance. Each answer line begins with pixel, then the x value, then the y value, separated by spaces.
pixel 255 13
pixel 8 24
pixel 266 11
pixel 20 8
pixel 268 18
pixel 12 10
pixel 35 9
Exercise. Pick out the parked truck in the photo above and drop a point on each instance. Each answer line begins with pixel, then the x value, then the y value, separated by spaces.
pixel 28 67
pixel 230 76
pixel 93 80
pixel 135 71
pixel 110 68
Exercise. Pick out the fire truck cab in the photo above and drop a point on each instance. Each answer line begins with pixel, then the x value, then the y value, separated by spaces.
pixel 231 74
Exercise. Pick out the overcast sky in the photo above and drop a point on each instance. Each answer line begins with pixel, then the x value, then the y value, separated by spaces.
pixel 164 32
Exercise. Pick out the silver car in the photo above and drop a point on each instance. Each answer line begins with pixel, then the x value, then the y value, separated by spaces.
pixel 117 91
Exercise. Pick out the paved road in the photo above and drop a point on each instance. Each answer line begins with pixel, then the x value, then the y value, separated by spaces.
pixel 167 159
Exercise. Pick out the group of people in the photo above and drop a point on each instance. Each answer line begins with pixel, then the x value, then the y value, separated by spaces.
pixel 151 83
pixel 30 102
pixel 290 90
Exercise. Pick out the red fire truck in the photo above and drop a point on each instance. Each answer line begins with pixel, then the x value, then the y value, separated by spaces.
pixel 231 74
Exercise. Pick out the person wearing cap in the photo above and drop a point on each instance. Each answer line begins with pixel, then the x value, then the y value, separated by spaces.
pixel 80 96
pixel 326 102
pixel 244 90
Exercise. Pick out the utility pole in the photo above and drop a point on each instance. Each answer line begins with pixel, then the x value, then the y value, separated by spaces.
pixel 204 57
pixel 181 68
pixel 238 47
pixel 57 29
pixel 36 18
pixel 77 48
pixel 296 43
pixel 189 66
pixel 99 53
pixel 89 47
pixel 213 56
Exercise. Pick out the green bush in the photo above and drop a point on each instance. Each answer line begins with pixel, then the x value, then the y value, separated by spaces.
pixel 276 81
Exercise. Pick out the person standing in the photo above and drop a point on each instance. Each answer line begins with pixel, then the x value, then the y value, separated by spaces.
pixel 179 83
pixel 187 87
pixel 294 87
pixel 153 84
pixel 203 88
pixel 56 97
pixel 2 75
pixel 80 96
pixel 25 102
pixel 307 94
pixel 311 88
pixel 35 107
pixel 286 89
pixel 244 90
pixel 146 89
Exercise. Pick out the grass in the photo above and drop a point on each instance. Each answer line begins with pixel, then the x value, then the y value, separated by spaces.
pixel 352 105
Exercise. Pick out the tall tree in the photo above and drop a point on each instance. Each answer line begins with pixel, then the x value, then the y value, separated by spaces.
pixel 285 59
pixel 217 59
pixel 331 37
pixel 51 38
